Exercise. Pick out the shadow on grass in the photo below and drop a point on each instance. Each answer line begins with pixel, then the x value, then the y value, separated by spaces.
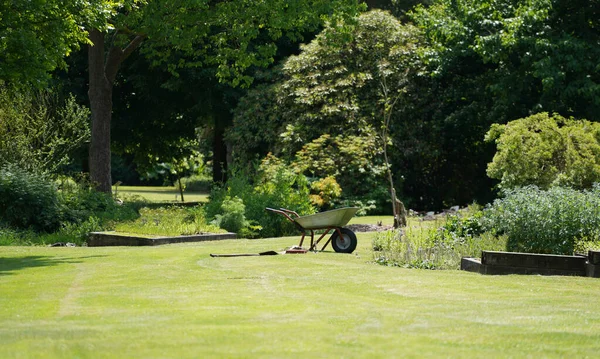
pixel 9 265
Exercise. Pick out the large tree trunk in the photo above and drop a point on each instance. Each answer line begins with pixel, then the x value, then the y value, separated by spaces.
pixel 103 70
pixel 100 94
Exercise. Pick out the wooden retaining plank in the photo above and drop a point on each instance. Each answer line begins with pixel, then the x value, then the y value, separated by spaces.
pixel 104 239
pixel 532 260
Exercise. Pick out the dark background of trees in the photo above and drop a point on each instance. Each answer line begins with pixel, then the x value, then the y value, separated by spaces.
pixel 477 73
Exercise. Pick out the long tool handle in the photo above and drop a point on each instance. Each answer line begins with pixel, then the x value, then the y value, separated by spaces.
pixel 267 253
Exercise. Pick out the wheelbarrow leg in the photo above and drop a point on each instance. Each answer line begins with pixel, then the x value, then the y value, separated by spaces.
pixel 312 237
pixel 329 240
pixel 302 239
pixel 314 245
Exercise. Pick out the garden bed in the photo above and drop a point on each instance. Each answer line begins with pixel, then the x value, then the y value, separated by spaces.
pixel 528 263
pixel 102 239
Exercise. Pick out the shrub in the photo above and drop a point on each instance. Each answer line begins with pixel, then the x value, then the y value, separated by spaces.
pixel 39 130
pixel 28 200
pixel 546 151
pixel 551 221
pixel 197 183
pixel 326 191
pixel 277 186
pixel 458 229
pixel 232 217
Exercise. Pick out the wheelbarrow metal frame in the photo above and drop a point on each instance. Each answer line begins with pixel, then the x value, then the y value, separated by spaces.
pixel 292 216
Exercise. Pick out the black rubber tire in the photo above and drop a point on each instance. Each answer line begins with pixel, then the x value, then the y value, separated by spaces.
pixel 346 244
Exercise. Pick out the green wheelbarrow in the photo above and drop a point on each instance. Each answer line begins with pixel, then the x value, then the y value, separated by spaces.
pixel 343 240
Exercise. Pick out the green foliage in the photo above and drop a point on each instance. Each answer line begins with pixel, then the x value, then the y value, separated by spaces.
pixel 546 221
pixel 277 186
pixel 459 229
pixel 545 151
pixel 37 210
pixel 325 191
pixel 197 183
pixel 328 112
pixel 421 247
pixel 36 36
pixel 168 221
pixel 28 200
pixel 490 62
pixel 232 217
pixel 354 161
pixel 39 130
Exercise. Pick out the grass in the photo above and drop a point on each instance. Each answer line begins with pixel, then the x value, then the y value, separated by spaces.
pixel 176 301
pixel 161 194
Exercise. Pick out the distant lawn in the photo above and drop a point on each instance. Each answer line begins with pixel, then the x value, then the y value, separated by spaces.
pixel 176 301
pixel 384 220
pixel 161 194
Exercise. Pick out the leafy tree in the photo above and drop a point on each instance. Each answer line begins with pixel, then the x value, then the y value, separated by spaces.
pixel 349 80
pixel 232 35
pixel 490 62
pixel 35 37
pixel 545 150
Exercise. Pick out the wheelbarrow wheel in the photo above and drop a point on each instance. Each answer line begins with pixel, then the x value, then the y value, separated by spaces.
pixel 344 244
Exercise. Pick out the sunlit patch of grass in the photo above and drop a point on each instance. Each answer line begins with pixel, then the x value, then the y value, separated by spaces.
pixel 160 194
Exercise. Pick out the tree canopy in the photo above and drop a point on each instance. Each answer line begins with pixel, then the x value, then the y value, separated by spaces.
pixel 35 36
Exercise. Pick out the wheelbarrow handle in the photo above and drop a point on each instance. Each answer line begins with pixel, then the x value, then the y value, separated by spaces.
pixel 283 213
pixel 289 212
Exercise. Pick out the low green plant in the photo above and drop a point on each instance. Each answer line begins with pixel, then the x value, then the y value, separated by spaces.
pixel 429 246
pixel 232 217
pixel 546 221
pixel 28 200
pixel 459 228
pixel 169 221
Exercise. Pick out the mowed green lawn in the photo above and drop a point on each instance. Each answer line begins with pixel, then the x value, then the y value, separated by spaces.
pixel 176 301
pixel 161 194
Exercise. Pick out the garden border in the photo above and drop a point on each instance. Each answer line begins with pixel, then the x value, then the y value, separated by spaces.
pixel 532 263
pixel 103 239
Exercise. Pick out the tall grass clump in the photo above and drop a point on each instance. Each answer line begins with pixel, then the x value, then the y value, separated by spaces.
pixel 168 221
pixel 438 244
pixel 553 221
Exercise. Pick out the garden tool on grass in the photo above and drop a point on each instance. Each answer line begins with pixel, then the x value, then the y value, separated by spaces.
pixel 267 253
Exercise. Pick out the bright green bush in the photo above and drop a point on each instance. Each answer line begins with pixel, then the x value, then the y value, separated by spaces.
pixel 546 221
pixel 276 186
pixel 232 217
pixel 28 200
pixel 197 183
pixel 324 192
pixel 546 151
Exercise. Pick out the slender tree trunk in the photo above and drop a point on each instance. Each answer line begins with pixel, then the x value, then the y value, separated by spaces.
pixel 398 209
pixel 100 94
